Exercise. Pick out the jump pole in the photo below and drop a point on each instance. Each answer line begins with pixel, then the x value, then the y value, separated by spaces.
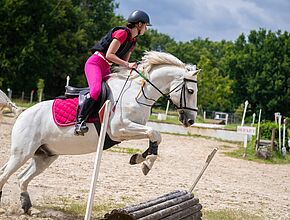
pixel 104 120
pixel 208 160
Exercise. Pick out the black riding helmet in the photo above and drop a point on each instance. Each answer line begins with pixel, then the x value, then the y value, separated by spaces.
pixel 139 16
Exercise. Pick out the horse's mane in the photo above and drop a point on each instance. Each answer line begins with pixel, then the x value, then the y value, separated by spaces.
pixel 149 60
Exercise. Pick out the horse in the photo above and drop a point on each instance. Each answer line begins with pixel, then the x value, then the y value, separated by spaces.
pixel 5 102
pixel 36 137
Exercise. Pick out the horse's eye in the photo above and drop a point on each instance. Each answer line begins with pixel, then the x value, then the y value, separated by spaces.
pixel 190 91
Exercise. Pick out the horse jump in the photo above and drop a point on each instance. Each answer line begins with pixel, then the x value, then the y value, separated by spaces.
pixel 36 137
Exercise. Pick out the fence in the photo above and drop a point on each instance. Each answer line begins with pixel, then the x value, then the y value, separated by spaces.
pixel 227 117
pixel 25 96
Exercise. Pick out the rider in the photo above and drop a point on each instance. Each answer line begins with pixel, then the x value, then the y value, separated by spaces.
pixel 115 47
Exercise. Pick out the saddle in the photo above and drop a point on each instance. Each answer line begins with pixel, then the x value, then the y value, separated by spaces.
pixel 72 92
pixel 65 107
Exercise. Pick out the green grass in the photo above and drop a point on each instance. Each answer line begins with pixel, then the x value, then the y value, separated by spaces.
pixel 73 209
pixel 169 120
pixel 276 158
pixel 162 111
pixel 228 214
pixel 124 150
pixel 23 104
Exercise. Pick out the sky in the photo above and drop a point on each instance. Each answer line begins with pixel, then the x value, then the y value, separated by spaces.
pixel 185 20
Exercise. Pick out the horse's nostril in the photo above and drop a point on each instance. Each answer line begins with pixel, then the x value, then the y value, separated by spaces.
pixel 190 121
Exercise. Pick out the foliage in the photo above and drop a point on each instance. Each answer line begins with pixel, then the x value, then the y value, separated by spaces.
pixel 48 40
pixel 259 66
pixel 40 84
pixel 266 130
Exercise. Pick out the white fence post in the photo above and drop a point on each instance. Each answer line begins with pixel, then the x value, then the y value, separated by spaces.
pixel 283 143
pixel 279 124
pixel 67 80
pixel 9 93
pixel 97 164
pixel 258 133
pixel 167 107
pixel 40 95
pixel 253 122
pixel 22 96
pixel 31 96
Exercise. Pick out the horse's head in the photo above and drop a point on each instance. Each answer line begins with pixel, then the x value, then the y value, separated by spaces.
pixel 184 95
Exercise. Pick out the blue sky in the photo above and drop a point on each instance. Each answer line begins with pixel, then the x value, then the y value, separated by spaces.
pixel 185 20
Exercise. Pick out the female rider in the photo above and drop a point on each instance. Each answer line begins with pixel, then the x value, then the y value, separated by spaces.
pixel 115 47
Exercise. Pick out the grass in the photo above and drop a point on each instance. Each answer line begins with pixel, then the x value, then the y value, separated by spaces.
pixel 23 104
pixel 228 214
pixel 169 120
pixel 124 150
pixel 76 210
pixel 276 158
pixel 162 111
pixel 73 209
pixel 205 137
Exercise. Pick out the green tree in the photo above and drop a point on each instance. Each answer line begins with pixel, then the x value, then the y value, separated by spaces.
pixel 259 68
pixel 49 40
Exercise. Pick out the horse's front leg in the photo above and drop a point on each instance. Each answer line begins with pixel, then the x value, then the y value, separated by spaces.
pixel 147 156
pixel 150 155
pixel 137 131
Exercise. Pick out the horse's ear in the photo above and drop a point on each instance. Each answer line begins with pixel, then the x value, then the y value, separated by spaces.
pixel 195 72
pixel 192 69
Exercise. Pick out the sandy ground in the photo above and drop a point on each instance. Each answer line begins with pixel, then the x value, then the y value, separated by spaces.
pixel 228 183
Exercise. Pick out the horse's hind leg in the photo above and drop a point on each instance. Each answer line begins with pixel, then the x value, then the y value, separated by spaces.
pixel 37 165
pixel 13 164
pixel 3 168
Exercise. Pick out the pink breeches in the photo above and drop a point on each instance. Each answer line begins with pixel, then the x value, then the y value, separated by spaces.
pixel 96 70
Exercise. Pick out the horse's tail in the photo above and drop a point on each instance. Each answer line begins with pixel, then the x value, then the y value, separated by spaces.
pixel 6 102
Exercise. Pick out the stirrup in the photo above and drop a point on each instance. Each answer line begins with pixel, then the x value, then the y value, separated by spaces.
pixel 81 129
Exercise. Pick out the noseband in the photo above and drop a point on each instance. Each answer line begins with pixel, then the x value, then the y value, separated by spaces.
pixel 182 96
pixel 167 95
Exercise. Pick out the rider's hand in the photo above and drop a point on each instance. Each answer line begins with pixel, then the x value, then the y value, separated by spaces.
pixel 132 65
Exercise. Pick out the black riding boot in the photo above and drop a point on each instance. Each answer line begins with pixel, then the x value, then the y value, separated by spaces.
pixel 84 112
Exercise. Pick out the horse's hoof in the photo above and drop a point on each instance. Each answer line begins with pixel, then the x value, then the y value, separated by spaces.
pixel 145 169
pixel 25 202
pixel 136 159
pixel 78 133
pixel 133 159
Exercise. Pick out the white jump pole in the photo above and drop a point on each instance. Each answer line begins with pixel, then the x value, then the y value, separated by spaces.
pixel 98 159
pixel 242 124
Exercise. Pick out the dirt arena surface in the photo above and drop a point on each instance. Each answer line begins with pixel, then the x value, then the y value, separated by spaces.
pixel 228 183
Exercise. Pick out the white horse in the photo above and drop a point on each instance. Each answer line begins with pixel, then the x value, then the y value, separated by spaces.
pixel 35 135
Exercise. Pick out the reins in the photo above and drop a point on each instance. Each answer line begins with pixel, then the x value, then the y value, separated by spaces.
pixel 166 96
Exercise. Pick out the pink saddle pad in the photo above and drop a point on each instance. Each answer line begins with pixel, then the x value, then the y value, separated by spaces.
pixel 64 112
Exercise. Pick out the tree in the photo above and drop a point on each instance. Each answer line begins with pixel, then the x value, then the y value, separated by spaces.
pixel 259 68
pixel 49 40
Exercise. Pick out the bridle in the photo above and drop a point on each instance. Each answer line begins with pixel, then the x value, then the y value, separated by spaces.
pixel 181 86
